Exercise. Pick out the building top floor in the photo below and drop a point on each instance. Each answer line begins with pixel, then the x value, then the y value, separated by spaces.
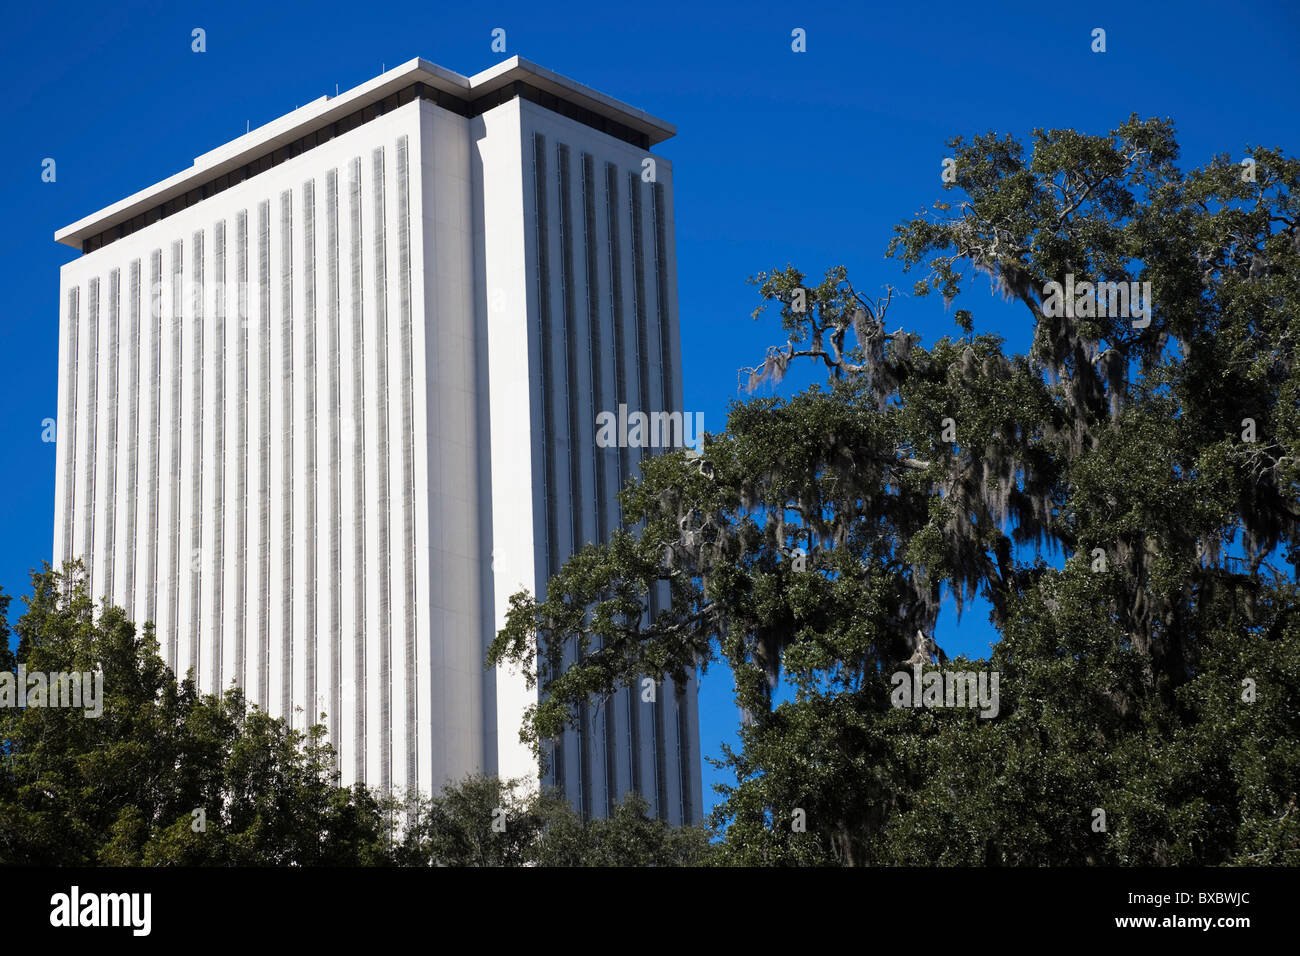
pixel 328 116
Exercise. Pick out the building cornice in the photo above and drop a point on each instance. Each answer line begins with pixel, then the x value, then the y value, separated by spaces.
pixel 468 95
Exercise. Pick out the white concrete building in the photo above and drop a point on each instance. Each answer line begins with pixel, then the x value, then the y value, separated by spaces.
pixel 327 399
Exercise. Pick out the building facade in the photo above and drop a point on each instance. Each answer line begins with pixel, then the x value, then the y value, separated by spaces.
pixel 328 398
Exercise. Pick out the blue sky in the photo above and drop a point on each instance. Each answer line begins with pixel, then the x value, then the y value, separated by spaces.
pixel 780 157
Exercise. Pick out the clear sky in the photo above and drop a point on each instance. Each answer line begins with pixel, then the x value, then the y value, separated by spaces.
pixel 780 157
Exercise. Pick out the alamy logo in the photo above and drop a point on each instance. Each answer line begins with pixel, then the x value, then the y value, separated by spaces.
pixel 188 294
pixel 84 689
pixel 653 430
pixel 1118 300
pixel 946 689
pixel 75 908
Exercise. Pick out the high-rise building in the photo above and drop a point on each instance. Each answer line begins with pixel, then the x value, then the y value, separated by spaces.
pixel 327 398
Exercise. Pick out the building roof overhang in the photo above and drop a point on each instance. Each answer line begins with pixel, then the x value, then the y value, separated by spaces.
pixel 325 110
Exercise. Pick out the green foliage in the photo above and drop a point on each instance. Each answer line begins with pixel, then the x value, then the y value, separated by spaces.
pixel 816 539
pixel 121 789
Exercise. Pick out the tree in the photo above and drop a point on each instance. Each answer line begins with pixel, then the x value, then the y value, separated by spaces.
pixel 630 837
pixel 1158 454
pixel 483 821
pixel 166 776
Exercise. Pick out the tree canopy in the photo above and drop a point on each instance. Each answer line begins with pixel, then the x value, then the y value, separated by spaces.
pixel 166 776
pixel 1124 496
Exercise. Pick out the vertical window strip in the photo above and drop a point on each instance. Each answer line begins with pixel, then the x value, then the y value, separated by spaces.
pixel 668 404
pixel 264 456
pixel 634 735
pixel 661 769
pixel 131 502
pixel 174 479
pixel 286 453
pixel 571 426
pixel 309 440
pixel 642 361
pixel 547 404
pixel 661 298
pixel 335 459
pixel 544 332
pixel 241 447
pixel 92 416
pixel 196 459
pixel 577 504
pixel 218 449
pixel 596 391
pixel 616 312
pixel 684 755
pixel 68 428
pixel 381 398
pixel 612 206
pixel 597 400
pixel 568 332
pixel 358 463
pixel 408 454
pixel 151 540
pixel 642 358
pixel 110 444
